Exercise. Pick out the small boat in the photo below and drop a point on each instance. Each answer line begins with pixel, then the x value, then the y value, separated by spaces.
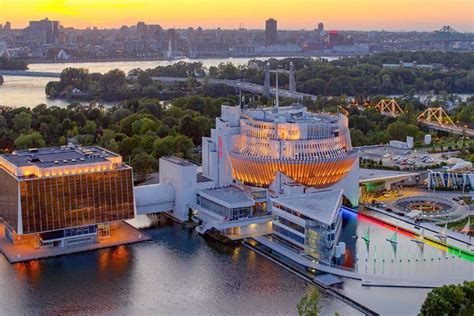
pixel 366 237
pixel 420 239
pixel 394 238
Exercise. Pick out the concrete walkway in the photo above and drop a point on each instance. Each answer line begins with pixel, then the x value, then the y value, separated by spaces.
pixel 366 280
pixel 394 219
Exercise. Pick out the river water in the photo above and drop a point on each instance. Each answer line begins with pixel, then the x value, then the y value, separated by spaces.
pixel 177 273
pixel 29 91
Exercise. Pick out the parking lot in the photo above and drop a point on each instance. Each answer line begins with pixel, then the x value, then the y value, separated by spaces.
pixel 403 158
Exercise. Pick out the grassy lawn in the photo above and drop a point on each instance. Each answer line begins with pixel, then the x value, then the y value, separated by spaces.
pixel 457 226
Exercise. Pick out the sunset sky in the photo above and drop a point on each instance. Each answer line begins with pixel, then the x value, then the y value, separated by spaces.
pixel 423 15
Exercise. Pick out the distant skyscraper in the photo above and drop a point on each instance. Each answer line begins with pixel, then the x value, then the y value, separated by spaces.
pixel 8 26
pixel 44 31
pixel 271 36
pixel 320 27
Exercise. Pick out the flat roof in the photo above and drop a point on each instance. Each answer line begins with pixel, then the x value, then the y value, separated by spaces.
pixel 320 205
pixel 178 161
pixel 371 175
pixel 58 156
pixel 230 195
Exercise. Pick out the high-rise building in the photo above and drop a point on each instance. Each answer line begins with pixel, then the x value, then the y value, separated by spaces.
pixel 63 196
pixel 43 31
pixel 271 35
pixel 320 27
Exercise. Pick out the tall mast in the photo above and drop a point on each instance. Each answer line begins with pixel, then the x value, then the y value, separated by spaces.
pixel 277 103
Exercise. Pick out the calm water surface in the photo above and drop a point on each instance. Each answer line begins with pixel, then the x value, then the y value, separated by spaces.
pixel 177 273
pixel 29 92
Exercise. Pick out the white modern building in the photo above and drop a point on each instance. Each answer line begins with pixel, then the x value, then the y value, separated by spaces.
pixel 255 159
pixel 309 223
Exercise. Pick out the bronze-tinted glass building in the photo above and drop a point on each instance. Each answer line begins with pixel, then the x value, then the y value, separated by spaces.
pixel 53 191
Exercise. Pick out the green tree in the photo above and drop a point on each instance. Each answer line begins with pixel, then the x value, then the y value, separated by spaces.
pixel 22 121
pixel 450 300
pixel 308 305
pixel 191 129
pixel 144 79
pixel 112 81
pixel 31 140
pixel 357 137
pixel 74 77
pixel 144 164
pixel 90 127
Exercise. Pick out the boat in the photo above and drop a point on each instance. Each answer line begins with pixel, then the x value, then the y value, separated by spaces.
pixel 420 239
pixel 366 237
pixel 394 238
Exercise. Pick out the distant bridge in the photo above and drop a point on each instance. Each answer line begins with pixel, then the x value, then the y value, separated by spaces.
pixel 27 73
pixel 434 118
pixel 438 119
pixel 237 84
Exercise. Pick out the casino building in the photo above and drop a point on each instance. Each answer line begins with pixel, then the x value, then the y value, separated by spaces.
pixel 269 147
pixel 63 196
pixel 295 167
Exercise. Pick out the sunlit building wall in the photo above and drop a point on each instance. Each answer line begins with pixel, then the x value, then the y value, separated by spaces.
pixel 51 190
pixel 266 147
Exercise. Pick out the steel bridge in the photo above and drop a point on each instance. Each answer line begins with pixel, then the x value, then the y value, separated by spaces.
pixel 434 118
pixel 266 89
pixel 438 119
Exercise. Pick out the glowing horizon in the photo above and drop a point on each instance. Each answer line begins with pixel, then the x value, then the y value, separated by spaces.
pixel 395 15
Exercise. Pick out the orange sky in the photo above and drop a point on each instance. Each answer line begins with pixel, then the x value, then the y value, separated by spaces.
pixel 291 14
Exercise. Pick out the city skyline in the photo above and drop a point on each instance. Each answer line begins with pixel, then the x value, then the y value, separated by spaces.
pixel 423 15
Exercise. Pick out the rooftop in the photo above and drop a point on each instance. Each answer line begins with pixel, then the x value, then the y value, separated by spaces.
pixel 321 205
pixel 178 161
pixel 292 114
pixel 370 175
pixel 231 196
pixel 58 156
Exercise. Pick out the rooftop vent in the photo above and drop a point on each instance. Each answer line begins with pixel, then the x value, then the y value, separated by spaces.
pixel 34 159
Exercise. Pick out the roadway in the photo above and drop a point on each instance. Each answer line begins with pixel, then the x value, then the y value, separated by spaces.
pixel 451 129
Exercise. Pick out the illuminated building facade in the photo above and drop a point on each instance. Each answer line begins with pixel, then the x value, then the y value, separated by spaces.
pixel 64 196
pixel 272 146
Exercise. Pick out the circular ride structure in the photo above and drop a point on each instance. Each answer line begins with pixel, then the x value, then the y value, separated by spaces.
pixel 431 208
pixel 311 149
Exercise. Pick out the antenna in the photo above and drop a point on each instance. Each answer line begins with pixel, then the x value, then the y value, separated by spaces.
pixel 240 97
pixel 277 104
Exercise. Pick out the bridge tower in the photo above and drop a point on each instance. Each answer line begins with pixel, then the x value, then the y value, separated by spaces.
pixel 266 84
pixel 292 83
pixel 437 116
pixel 389 107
